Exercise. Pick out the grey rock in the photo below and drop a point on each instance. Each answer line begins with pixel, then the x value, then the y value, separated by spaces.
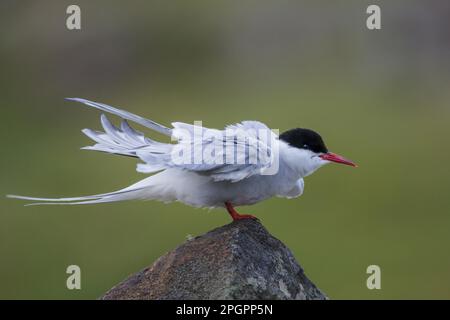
pixel 240 260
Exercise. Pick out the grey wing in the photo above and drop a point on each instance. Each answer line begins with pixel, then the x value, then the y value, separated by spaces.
pixel 246 148
pixel 238 152
pixel 128 141
pixel 126 115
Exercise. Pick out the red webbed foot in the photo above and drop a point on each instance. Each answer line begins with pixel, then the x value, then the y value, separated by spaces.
pixel 235 215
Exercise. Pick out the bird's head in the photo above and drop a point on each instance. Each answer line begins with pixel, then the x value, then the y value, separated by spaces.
pixel 307 152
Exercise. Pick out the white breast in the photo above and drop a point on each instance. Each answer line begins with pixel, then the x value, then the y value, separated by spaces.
pixel 296 191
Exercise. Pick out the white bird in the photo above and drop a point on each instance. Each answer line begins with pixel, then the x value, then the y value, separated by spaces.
pixel 257 168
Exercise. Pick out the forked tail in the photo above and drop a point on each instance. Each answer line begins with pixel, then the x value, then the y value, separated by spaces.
pixel 140 190
pixel 123 141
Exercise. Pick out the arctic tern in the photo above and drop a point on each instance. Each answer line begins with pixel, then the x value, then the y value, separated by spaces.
pixel 279 164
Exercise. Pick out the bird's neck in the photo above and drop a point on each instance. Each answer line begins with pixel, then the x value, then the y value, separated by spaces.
pixel 299 162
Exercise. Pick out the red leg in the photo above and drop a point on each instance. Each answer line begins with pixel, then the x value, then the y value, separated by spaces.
pixel 235 215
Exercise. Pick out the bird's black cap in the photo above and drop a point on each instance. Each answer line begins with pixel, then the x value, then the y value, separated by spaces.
pixel 304 139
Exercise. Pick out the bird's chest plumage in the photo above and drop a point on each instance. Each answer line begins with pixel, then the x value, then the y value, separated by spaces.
pixel 259 188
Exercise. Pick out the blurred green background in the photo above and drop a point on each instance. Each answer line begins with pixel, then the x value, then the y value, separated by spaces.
pixel 380 98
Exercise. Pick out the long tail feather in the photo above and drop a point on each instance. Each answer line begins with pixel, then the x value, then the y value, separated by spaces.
pixel 139 190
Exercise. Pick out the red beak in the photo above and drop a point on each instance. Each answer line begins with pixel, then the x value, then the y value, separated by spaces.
pixel 337 158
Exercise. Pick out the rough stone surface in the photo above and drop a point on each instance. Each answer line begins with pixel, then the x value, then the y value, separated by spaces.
pixel 240 260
